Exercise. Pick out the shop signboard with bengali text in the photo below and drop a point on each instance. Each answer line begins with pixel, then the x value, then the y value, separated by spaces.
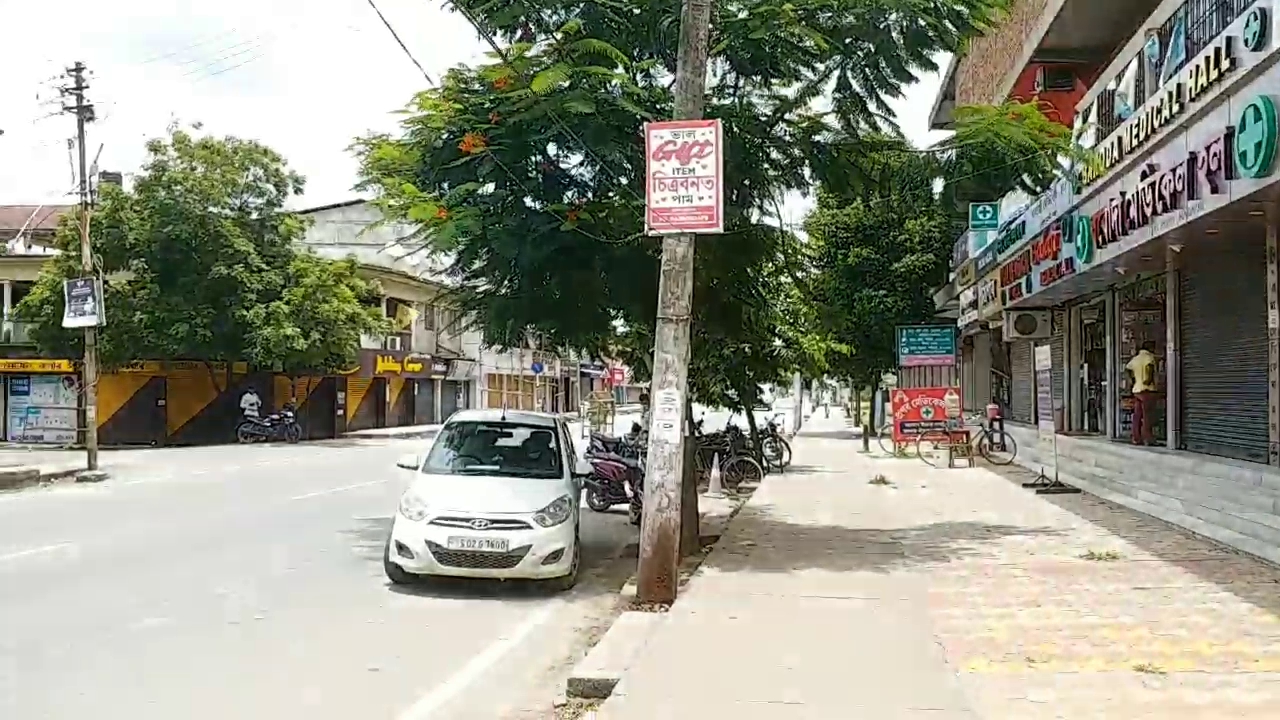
pixel 919 410
pixel 1227 155
pixel 684 171
pixel 926 345
pixel 989 305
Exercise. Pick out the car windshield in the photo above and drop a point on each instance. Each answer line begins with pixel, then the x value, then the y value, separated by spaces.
pixel 495 448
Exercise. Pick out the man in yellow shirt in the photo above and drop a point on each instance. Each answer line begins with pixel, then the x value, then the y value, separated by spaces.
pixel 1143 369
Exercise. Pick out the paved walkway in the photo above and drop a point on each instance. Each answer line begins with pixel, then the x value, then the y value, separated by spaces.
pixel 955 594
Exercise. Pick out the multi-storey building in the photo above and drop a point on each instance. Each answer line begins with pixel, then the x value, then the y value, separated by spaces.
pixel 1166 240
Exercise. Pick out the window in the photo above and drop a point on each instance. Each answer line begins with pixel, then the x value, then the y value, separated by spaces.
pixel 496 448
pixel 429 317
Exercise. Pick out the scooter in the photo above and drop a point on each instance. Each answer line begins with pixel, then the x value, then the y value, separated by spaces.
pixel 277 426
pixel 607 485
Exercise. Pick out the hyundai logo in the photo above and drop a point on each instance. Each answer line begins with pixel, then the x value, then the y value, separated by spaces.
pixel 479 524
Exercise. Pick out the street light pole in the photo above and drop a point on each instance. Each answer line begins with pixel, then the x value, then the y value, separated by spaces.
pixel 83 110
pixel 658 572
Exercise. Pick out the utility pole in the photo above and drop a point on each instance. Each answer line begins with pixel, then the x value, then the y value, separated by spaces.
pixel 83 111
pixel 658 573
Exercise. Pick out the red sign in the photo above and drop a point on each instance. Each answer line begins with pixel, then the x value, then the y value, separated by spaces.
pixel 917 410
pixel 617 375
pixel 684 168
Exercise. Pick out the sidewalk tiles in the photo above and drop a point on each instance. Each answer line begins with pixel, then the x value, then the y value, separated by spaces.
pixel 956 594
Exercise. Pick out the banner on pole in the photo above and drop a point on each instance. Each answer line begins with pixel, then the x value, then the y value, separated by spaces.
pixel 1044 392
pixel 684 177
pixel 82 306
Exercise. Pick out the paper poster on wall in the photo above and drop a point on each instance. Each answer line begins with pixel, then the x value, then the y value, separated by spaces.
pixel 42 409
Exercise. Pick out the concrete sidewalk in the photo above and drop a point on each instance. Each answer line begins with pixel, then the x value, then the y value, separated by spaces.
pixel 954 594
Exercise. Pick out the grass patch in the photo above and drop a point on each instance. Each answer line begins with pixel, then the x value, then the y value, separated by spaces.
pixel 576 708
pixel 1147 668
pixel 879 480
pixel 1101 556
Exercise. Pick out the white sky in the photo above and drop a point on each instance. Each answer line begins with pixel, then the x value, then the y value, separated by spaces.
pixel 301 79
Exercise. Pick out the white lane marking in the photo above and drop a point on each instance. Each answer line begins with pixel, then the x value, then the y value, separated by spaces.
pixel 331 491
pixel 428 704
pixel 34 551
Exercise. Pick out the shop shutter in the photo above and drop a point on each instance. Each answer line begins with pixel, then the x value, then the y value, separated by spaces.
pixel 1224 354
pixel 1058 353
pixel 1022 380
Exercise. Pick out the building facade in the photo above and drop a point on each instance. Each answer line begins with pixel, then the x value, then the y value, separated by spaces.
pixel 1168 242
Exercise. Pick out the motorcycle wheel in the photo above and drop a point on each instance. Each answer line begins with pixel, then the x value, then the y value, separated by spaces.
pixel 292 433
pixel 244 434
pixel 596 501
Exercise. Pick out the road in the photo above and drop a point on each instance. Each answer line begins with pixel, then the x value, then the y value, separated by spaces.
pixel 246 582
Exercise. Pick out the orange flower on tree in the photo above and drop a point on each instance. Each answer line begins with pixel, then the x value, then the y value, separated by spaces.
pixel 442 213
pixel 472 143
pixel 572 215
pixel 501 83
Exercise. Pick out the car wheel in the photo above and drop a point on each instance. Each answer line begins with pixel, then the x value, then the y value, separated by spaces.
pixel 566 582
pixel 396 574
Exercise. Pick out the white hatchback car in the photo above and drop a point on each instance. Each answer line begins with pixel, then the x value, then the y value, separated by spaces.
pixel 497 496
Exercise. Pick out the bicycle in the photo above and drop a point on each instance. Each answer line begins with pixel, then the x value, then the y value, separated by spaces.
pixel 736 462
pixel 995 446
pixel 775 450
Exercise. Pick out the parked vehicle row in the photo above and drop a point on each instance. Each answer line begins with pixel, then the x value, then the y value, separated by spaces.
pixel 498 494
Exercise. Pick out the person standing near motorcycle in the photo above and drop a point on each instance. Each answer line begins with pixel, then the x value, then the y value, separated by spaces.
pixel 251 404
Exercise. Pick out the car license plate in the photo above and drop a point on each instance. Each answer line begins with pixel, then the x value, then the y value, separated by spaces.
pixel 481 544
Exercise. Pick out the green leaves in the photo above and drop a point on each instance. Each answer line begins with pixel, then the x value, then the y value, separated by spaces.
pixel 200 264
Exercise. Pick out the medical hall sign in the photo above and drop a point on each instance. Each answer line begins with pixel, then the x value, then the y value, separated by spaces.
pixel 1246 150
pixel 684 172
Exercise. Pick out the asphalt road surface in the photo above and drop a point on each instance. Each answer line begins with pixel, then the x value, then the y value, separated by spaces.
pixel 246 582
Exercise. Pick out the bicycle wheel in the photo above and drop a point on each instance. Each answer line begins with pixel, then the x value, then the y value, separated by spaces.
pixel 777 453
pixel 998 447
pixel 931 447
pixel 885 436
pixel 739 469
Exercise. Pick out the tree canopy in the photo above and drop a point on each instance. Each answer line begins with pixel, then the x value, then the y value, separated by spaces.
pixel 527 170
pixel 200 263
pixel 881 248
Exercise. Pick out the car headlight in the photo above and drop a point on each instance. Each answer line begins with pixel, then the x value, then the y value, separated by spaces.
pixel 413 506
pixel 557 512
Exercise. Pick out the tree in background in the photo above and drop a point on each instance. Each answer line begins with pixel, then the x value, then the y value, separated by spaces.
pixel 527 171
pixel 199 262
pixel 885 223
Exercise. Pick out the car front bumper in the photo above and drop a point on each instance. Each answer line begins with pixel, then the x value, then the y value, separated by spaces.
pixel 422 548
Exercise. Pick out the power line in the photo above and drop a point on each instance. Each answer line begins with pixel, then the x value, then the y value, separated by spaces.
pixel 403 47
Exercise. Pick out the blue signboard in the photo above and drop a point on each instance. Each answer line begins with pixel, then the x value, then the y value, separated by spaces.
pixel 926 345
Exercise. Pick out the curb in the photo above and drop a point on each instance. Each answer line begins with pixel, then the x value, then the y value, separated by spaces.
pixel 596 675
pixel 408 434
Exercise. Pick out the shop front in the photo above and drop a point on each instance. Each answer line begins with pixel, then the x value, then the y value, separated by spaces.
pixel 1159 292
pixel 41 401
pixel 387 389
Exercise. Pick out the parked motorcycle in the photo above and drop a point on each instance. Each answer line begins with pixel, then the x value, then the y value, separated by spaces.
pixel 277 426
pixel 617 474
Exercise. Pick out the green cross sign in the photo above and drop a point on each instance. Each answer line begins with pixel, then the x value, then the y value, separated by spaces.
pixel 1083 239
pixel 984 216
pixel 1254 33
pixel 1256 138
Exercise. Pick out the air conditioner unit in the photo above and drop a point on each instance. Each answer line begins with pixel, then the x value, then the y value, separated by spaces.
pixel 1027 324
pixel 1055 78
pixel 393 342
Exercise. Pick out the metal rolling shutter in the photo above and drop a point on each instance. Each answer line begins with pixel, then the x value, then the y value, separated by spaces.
pixel 1022 375
pixel 1058 352
pixel 1224 355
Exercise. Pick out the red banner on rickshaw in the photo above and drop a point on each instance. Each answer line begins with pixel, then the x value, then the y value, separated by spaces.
pixel 918 410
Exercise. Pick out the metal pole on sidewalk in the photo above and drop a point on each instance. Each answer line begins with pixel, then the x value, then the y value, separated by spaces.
pixel 658 572
pixel 797 389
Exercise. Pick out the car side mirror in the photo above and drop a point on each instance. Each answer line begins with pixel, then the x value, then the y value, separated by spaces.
pixel 409 462
pixel 582 469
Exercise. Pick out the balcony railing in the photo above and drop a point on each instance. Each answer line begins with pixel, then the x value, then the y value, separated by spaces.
pixel 1202 22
